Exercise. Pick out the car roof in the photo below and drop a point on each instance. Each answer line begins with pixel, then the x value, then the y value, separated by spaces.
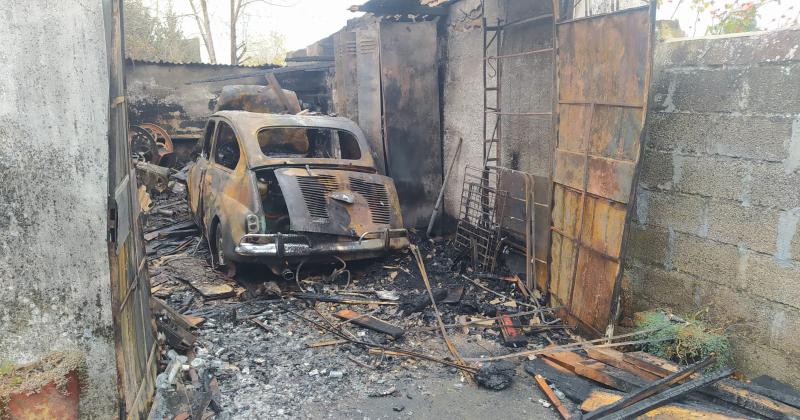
pixel 247 124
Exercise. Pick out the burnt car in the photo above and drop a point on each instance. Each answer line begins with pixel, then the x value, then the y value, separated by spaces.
pixel 276 189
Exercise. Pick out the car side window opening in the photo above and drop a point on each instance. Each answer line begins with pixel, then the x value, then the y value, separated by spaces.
pixel 207 138
pixel 302 142
pixel 226 148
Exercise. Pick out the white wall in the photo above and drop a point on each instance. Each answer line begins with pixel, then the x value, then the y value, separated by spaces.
pixel 54 269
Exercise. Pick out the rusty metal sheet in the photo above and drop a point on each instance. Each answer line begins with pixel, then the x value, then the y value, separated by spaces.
pixel 409 77
pixel 311 201
pixel 603 69
pixel 345 87
pixel 368 73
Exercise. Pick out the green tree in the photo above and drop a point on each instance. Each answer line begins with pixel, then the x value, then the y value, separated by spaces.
pixel 265 49
pixel 157 38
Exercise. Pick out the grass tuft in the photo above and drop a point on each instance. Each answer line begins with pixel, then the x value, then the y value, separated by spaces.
pixel 690 341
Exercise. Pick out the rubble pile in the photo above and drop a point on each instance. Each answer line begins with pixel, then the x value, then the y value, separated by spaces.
pixel 263 339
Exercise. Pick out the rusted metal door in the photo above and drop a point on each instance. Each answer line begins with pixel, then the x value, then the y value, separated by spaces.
pixel 345 87
pixel 368 73
pixel 134 341
pixel 410 82
pixel 603 71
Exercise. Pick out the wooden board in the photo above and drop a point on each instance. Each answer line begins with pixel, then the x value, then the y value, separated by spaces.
pixel 601 398
pixel 371 323
pixel 603 70
pixel 728 390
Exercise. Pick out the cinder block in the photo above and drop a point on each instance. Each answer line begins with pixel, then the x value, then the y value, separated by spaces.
pixel 754 360
pixel 752 137
pixel 772 279
pixel 649 245
pixel 768 89
pixel 656 170
pixel 754 226
pixel 682 212
pixel 739 49
pixel 687 133
pixel 665 289
pixel 771 186
pixel 706 259
pixel 710 176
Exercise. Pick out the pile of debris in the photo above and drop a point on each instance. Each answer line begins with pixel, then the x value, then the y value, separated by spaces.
pixel 257 345
pixel 609 384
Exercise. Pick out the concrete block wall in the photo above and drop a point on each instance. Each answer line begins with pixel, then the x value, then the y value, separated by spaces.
pixel 718 204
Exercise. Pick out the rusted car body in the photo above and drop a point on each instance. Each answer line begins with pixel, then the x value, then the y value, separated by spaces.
pixel 277 189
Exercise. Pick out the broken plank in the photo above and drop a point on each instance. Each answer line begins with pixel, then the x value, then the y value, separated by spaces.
pixel 370 322
pixel 777 390
pixel 649 363
pixel 552 397
pixel 668 395
pixel 573 386
pixel 598 371
pixel 727 390
pixel 601 398
pixel 159 306
pixel 651 389
pixel 616 358
pixel 340 299
pixel 150 235
pixel 326 343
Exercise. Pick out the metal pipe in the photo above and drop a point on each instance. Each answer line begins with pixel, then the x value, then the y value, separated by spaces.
pixel 437 208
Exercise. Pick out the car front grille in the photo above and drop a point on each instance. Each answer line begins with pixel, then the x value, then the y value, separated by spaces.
pixel 377 199
pixel 315 190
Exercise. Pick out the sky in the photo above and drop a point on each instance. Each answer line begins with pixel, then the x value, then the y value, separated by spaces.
pixel 304 22
pixel 694 25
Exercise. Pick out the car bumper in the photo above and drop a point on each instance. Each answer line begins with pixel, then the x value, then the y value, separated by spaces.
pixel 296 245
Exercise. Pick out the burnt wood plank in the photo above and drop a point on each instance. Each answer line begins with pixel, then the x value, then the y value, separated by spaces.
pixel 616 358
pixel 671 394
pixel 730 391
pixel 371 323
pixel 651 389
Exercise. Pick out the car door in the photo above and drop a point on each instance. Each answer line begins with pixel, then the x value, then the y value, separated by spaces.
pixel 225 157
pixel 197 174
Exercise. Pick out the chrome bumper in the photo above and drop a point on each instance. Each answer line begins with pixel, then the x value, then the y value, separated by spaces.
pixel 294 245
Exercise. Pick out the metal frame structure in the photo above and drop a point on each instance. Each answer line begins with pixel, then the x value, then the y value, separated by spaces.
pixel 492 71
pixel 482 208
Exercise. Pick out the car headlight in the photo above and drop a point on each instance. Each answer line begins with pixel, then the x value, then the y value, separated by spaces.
pixel 252 224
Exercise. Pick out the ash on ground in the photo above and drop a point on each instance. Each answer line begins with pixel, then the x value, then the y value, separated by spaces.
pixel 252 355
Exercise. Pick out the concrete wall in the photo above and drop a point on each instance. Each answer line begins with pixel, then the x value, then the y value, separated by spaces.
pixel 158 93
pixel 526 86
pixel 55 291
pixel 719 198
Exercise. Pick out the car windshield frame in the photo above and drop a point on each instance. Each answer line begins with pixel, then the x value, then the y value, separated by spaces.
pixel 355 143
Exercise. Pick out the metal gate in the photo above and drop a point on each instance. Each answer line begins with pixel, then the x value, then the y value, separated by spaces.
pixel 134 340
pixel 603 67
